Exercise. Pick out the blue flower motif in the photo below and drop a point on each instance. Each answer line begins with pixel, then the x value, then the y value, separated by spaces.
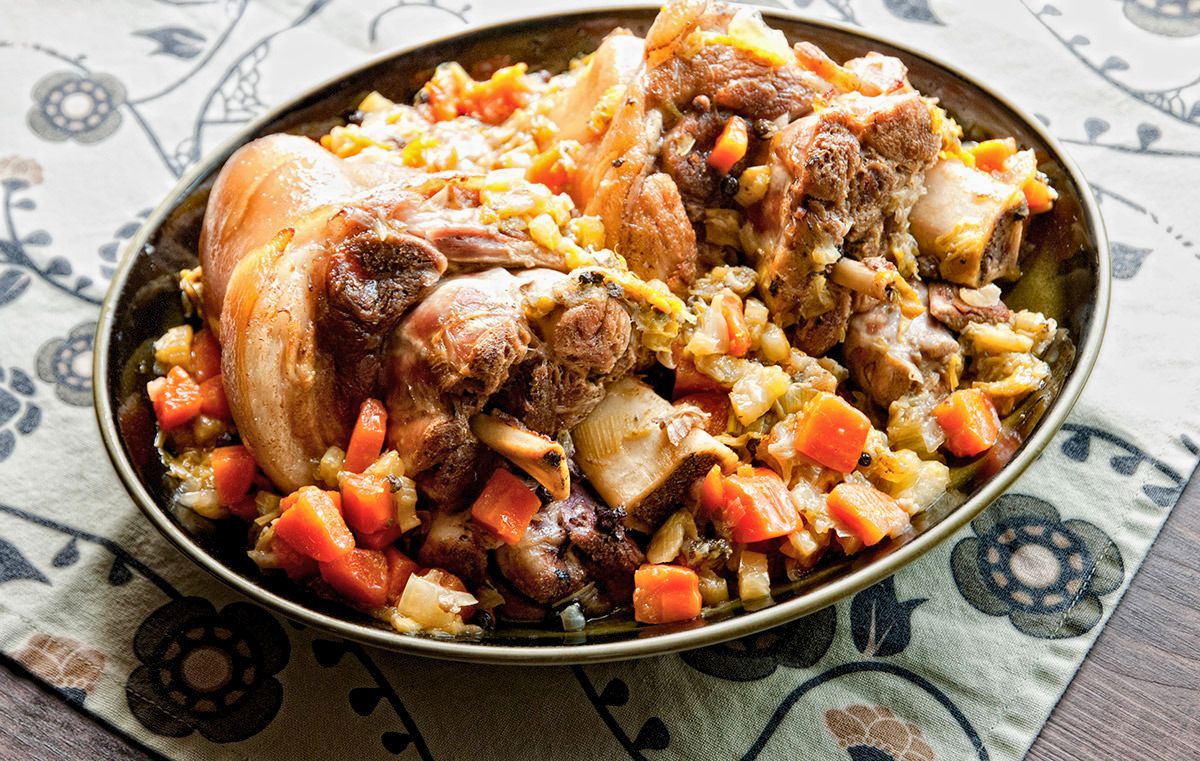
pixel 67 363
pixel 79 107
pixel 1170 18
pixel 207 671
pixel 1044 573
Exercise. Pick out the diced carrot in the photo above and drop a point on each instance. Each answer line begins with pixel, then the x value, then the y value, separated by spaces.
pixel 867 512
pixel 969 420
pixel 245 508
pixel 367 503
pixel 731 145
pixel 288 502
pixel 296 565
pixel 314 526
pixel 360 576
pixel 832 432
pixel 758 505
pixel 366 441
pixel 1039 195
pixel 381 539
pixel 712 491
pixel 713 403
pixel 212 398
pixel 990 155
pixel 206 356
pixel 505 506
pixel 551 168
pixel 664 594
pixel 400 567
pixel 688 379
pixel 494 99
pixel 177 400
pixel 233 472
pixel 448 581
pixel 735 322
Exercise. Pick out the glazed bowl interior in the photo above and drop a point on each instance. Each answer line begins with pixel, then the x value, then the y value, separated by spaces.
pixel 1066 277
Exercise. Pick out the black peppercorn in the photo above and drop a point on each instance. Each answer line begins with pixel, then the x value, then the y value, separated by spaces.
pixel 864 460
pixel 729 185
pixel 764 129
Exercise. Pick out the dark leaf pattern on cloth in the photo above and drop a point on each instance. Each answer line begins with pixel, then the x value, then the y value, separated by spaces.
pixel 15 567
pixel 177 41
pixel 1128 459
pixel 912 10
pixel 1046 574
pixel 207 671
pixel 19 414
pixel 799 644
pixel 67 556
pixel 879 622
pixel 1127 259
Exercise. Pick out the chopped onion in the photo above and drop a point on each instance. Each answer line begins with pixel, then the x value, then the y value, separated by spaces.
pixel 987 296
pixel 754 579
pixel 572 618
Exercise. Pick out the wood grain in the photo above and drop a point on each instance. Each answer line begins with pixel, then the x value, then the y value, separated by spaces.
pixel 1137 695
pixel 1136 698
pixel 37 725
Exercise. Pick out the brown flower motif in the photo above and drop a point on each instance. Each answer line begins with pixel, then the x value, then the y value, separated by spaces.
pixel 21 170
pixel 65 664
pixel 873 733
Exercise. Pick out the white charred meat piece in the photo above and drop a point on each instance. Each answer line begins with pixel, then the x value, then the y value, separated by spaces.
pixel 597 531
pixel 470 345
pixel 451 352
pixel 842 182
pixel 626 451
pixel 969 224
pixel 542 565
pixel 890 357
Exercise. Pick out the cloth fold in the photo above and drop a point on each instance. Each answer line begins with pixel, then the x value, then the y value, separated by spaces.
pixel 961 655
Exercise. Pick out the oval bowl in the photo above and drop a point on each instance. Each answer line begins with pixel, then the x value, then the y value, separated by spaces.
pixel 1067 276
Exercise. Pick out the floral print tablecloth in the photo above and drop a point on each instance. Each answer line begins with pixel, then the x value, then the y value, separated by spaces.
pixel 961 655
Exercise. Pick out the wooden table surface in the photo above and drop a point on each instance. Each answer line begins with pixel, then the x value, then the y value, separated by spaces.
pixel 1136 698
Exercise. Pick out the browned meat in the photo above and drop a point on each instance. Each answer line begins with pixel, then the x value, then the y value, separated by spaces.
pixel 450 353
pixel 598 531
pixel 817 335
pixel 655 235
pixel 542 565
pixel 455 544
pixel 889 357
pixel 468 345
pixel 591 336
pixel 948 308
pixel 735 79
pixel 842 180
pixel 698 183
pixel 370 281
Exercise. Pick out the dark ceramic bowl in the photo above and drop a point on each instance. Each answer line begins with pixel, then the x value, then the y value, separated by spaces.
pixel 1067 277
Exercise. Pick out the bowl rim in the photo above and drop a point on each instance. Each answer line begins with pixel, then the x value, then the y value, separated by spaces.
pixel 712 633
